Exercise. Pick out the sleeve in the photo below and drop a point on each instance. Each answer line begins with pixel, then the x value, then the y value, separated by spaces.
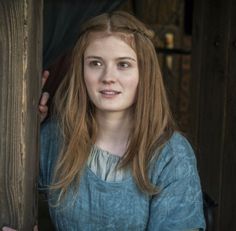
pixel 48 153
pixel 178 206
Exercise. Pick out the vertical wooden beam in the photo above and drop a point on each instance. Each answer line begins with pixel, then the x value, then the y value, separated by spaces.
pixel 20 70
pixel 228 188
pixel 213 87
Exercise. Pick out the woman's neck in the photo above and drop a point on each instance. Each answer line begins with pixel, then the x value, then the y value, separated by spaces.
pixel 113 131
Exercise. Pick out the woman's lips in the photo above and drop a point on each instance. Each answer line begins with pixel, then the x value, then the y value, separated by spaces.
pixel 109 92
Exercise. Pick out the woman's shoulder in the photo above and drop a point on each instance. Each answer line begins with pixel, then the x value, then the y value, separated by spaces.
pixel 177 147
pixel 175 175
pixel 176 153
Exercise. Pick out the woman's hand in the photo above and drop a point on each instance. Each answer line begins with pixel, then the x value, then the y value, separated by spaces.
pixel 43 108
pixel 7 229
pixel 10 229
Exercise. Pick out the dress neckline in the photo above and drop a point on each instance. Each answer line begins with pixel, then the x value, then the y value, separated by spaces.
pixel 105 152
pixel 105 165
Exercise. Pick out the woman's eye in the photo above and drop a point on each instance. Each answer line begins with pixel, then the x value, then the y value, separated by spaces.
pixel 124 65
pixel 95 63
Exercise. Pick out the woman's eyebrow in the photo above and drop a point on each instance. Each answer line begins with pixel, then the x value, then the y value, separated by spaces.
pixel 92 57
pixel 119 58
pixel 125 58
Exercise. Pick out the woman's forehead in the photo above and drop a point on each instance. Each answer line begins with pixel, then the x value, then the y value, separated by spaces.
pixel 109 47
pixel 128 38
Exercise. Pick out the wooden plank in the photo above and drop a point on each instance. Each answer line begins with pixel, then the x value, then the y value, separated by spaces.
pixel 209 83
pixel 20 70
pixel 228 189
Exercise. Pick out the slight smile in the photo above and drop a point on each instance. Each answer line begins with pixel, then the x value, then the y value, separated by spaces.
pixel 110 92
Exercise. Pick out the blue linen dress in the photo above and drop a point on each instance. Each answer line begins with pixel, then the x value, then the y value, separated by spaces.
pixel 109 200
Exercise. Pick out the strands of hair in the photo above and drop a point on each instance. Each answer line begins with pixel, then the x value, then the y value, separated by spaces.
pixel 152 120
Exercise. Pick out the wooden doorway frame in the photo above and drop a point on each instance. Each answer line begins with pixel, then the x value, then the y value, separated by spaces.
pixel 20 78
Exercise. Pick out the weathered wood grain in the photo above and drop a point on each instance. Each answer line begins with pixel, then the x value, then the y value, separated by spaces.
pixel 20 68
pixel 213 104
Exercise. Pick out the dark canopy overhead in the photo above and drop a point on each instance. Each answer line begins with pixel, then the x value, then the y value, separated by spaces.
pixel 62 20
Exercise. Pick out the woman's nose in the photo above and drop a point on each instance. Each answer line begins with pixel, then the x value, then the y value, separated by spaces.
pixel 108 76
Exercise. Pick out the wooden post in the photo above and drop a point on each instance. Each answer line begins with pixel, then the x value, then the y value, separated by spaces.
pixel 228 188
pixel 213 104
pixel 20 71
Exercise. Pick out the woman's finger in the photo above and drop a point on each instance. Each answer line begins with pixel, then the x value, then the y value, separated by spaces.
pixel 44 99
pixel 45 77
pixel 43 112
pixel 7 229
pixel 43 109
pixel 10 229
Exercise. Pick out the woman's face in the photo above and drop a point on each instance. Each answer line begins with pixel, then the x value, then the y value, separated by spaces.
pixel 111 73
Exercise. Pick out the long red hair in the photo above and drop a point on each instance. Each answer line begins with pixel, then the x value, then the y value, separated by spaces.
pixel 152 121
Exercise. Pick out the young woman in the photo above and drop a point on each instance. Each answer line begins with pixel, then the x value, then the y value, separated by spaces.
pixel 111 158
